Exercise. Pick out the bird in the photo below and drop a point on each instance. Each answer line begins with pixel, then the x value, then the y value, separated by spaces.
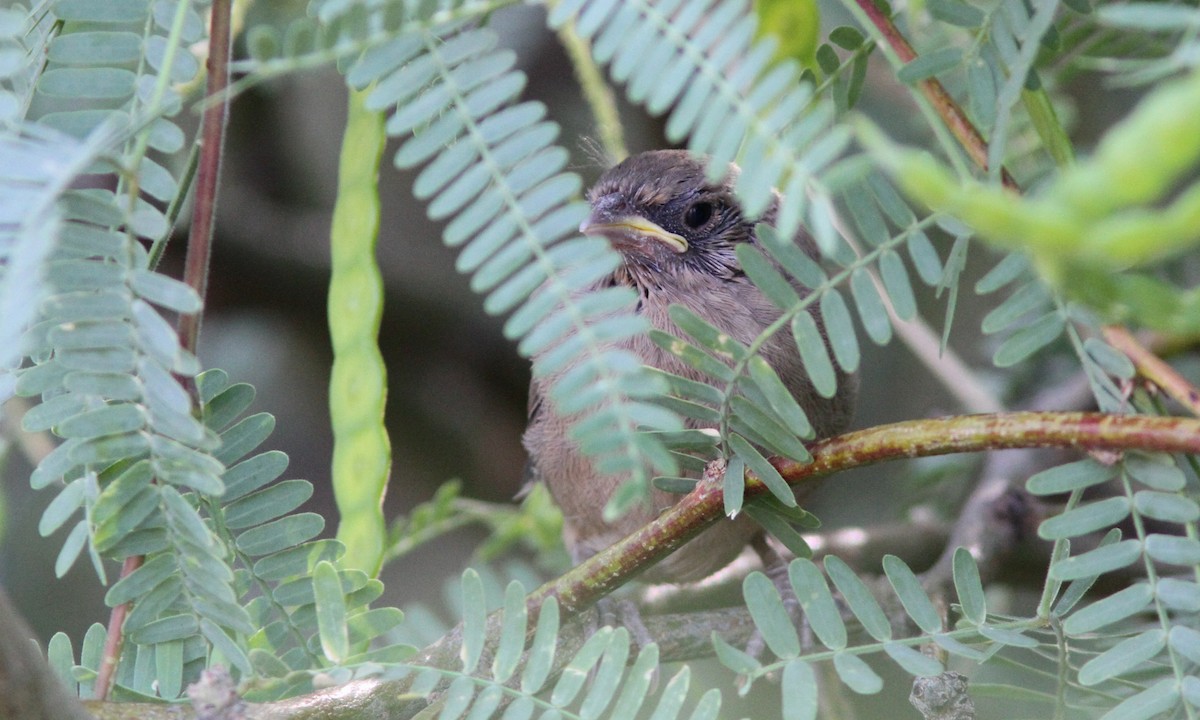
pixel 677 233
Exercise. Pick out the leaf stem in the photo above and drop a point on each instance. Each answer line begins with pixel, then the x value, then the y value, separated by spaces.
pixel 598 94
pixel 212 142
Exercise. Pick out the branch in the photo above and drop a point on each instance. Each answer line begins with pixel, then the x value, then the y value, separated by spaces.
pixel 608 570
pixel 1154 369
pixel 933 90
pixel 195 274
pixel 28 687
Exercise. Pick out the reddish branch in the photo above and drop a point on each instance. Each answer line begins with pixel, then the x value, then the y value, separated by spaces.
pixel 195 274
pixel 1153 368
pixel 615 566
pixel 933 90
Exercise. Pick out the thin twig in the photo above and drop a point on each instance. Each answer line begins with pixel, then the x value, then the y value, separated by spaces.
pixel 1154 369
pixel 212 142
pixel 199 250
pixel 933 90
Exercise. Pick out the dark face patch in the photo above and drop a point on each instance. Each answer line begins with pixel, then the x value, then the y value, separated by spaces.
pixel 669 188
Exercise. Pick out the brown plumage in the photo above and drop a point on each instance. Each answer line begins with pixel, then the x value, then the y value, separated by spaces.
pixel 676 233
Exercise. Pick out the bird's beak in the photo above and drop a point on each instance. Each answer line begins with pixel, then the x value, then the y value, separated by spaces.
pixel 630 231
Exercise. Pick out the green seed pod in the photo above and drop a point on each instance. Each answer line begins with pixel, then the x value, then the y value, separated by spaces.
pixel 358 384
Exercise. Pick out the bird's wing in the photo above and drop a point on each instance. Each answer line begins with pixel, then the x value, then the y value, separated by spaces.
pixel 533 414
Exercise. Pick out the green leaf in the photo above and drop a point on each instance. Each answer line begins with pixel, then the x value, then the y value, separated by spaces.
pixel 1112 609
pixel 1185 641
pixel 779 525
pixel 799 691
pixel 61 657
pixel 64 506
pixel 1159 698
pixel 895 281
pixel 259 507
pixel 1010 268
pixel 108 420
pixel 1114 362
pixel 1179 595
pixel 253 473
pixel 573 676
pixel 244 436
pixel 817 602
pixel 846 37
pixel 734 486
pixel 1079 587
pixel 1099 561
pixel 956 13
pixel 331 612
pixel 763 469
pixel 1172 549
pixel 541 650
pixel 708 707
pixel 637 683
pixel 955 647
pixel 1028 340
pixel 840 328
pixel 474 619
pixel 1156 471
pixel 766 278
pixel 969 587
pixel 164 291
pixel 225 647
pixel 751 420
pixel 228 405
pixel 929 64
pixel 1123 657
pixel 779 397
pixel 791 257
pixel 871 311
pixel 673 695
pixel 280 534
pixel 705 334
pixel 512 634
pixel 770 616
pixel 71 548
pixel 857 674
pixel 859 598
pixel 457 698
pixel 814 355
pixel 1085 518
pixel 924 257
pixel 913 662
pixel 1007 637
pixel 912 595
pixel 1072 476
pixel 692 355
pixel 173 627
pixel 54 411
pixel 733 658
pixel 1030 297
pixel 168 668
pixel 1168 507
pixel 141 581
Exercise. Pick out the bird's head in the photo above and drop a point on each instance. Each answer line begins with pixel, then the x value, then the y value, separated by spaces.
pixel 666 219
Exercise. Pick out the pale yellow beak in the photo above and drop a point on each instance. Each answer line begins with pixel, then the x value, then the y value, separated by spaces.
pixel 632 230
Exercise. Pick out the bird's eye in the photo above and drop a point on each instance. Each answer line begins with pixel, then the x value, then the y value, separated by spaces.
pixel 698 214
